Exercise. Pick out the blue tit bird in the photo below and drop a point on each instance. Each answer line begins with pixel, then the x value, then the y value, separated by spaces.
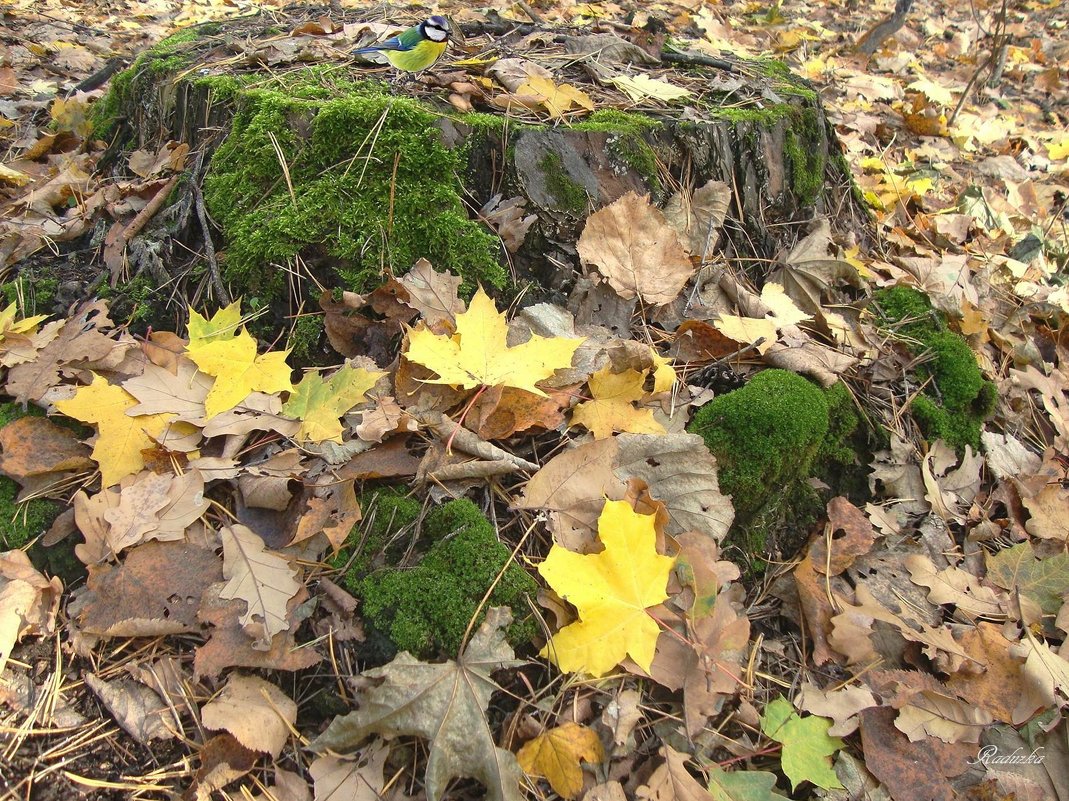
pixel 415 49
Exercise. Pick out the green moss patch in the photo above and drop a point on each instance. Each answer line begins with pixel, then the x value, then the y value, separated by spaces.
pixel 957 398
pixel 34 294
pixel 806 155
pixel 426 609
pixel 373 188
pixel 627 142
pixel 570 196
pixel 769 437
pixel 765 435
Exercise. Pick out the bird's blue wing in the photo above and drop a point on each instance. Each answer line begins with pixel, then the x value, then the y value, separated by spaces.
pixel 393 43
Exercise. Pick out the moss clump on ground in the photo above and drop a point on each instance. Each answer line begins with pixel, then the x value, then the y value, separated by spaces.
pixel 843 424
pixel 373 188
pixel 957 398
pixel 387 513
pixel 769 437
pixel 21 522
pixel 765 436
pixel 425 610
pixel 133 301
pixel 304 339
pixel 33 294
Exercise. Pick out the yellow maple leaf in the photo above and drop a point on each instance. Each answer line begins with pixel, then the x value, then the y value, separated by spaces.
pixel 120 437
pixel 478 353
pixel 783 309
pixel 238 371
pixel 761 332
pixel 612 406
pixel 72 115
pixel 13 177
pixel 223 325
pixel 9 325
pixel 555 755
pixel 933 91
pixel 664 375
pixel 556 99
pixel 1058 149
pixel 852 257
pixel 319 402
pixel 611 590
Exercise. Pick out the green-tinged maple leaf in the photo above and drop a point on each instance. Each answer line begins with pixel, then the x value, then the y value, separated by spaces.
pixel 742 785
pixel 238 371
pixel 319 402
pixel 120 437
pixel 223 324
pixel 444 703
pixel 478 353
pixel 807 748
pixel 612 590
pixel 1043 581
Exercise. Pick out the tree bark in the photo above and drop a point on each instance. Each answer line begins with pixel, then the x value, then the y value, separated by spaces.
pixel 769 141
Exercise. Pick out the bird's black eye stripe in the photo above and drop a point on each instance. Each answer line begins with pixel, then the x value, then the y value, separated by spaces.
pixel 435 29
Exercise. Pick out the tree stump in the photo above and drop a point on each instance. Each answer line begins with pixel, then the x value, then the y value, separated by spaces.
pixel 318 172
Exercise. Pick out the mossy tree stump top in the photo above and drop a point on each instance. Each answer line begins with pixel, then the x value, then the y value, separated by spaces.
pixel 357 172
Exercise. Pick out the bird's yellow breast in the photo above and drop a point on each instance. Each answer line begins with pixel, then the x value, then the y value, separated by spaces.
pixel 418 58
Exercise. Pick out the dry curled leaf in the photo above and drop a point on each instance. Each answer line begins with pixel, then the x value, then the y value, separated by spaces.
pixel 630 243
pixel 257 713
pixel 28 601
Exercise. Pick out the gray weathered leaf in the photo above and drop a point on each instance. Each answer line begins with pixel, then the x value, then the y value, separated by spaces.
pixel 680 472
pixel 445 703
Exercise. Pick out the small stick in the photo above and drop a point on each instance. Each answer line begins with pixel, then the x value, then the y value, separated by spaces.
pixel 698 60
pixel 128 232
pixel 536 18
pixel 209 246
pixel 468 441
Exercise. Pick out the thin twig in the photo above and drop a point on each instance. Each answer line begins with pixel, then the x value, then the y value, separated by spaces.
pixel 697 60
pixel 285 167
pixel 998 37
pixel 209 246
